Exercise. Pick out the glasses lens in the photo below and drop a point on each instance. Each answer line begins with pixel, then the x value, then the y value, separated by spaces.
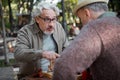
pixel 48 20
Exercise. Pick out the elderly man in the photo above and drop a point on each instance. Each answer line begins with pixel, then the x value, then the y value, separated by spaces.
pixel 96 47
pixel 39 42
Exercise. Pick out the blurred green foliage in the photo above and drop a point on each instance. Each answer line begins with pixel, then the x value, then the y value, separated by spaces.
pixel 26 5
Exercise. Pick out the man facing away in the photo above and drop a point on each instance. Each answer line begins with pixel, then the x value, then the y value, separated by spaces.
pixel 96 47
pixel 39 42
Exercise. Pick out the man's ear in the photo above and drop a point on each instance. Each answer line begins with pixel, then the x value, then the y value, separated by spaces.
pixel 87 13
pixel 37 19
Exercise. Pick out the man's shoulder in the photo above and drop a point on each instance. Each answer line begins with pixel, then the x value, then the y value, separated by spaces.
pixel 105 20
pixel 27 28
pixel 58 24
pixel 106 24
pixel 103 23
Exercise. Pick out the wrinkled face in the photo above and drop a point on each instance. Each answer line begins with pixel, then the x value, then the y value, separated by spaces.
pixel 84 15
pixel 47 21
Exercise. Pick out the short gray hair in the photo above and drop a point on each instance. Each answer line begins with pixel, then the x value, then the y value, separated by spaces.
pixel 44 5
pixel 98 6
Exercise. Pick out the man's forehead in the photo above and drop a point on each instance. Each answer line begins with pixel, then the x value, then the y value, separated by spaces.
pixel 48 12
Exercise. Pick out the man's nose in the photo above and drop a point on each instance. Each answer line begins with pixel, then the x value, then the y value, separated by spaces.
pixel 51 23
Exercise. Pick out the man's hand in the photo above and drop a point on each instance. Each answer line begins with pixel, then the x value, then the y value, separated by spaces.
pixel 50 55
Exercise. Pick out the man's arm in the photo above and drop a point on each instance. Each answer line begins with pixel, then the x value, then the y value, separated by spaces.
pixel 23 52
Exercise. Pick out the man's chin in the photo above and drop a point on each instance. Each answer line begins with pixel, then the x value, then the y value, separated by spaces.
pixel 48 32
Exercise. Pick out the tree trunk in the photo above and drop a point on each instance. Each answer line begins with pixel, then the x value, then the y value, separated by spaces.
pixel 10 16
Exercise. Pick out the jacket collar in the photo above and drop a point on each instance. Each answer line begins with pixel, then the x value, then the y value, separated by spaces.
pixel 36 28
pixel 108 14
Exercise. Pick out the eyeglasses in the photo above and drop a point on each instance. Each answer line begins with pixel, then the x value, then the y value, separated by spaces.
pixel 47 20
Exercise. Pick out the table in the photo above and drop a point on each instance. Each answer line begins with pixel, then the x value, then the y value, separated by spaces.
pixel 7 73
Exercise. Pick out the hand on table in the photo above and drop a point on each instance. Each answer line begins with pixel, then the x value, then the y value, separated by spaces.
pixel 50 55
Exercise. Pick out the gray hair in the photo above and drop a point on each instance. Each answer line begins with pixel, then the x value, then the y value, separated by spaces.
pixel 96 7
pixel 44 5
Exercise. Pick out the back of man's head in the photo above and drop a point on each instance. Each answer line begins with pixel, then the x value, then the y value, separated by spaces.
pixel 99 4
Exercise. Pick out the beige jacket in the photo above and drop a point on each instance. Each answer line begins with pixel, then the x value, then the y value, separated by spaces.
pixel 29 46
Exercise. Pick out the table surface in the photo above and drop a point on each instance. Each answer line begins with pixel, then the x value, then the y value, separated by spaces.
pixel 7 73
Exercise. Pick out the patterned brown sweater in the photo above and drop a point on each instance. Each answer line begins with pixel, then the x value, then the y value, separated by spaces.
pixel 97 47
